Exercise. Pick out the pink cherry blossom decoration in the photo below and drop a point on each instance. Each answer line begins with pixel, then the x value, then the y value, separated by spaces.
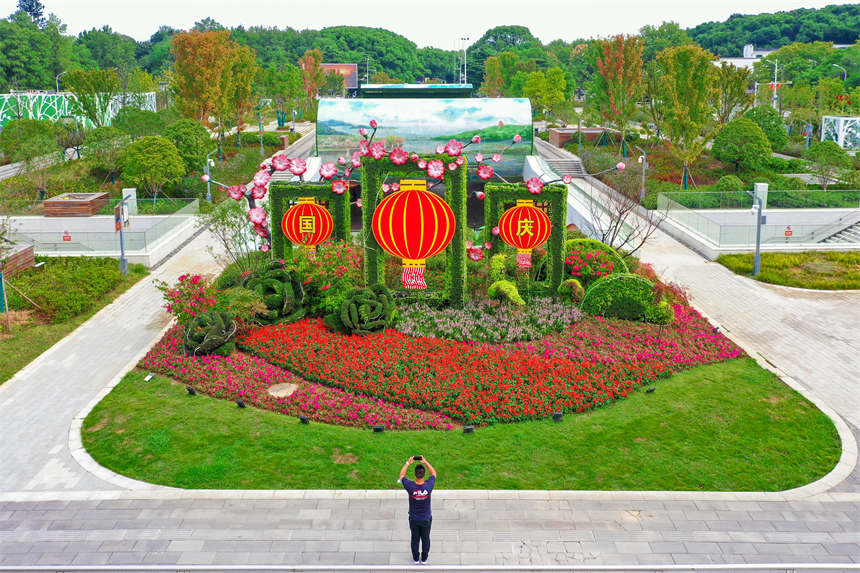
pixel 468 244
pixel 347 172
pixel 414 157
pixel 236 192
pixel 488 245
pixel 496 231
pixel 398 156
pixel 485 171
pixel 362 132
pixel 518 138
pixel 476 139
pixel 567 179
pixel 452 166
pixel 298 166
pixel 480 195
pixel 501 123
pixel 261 178
pixel 454 147
pixel 358 202
pixel 620 166
pixel 421 164
pixel 460 160
pixel 395 186
pixel 265 247
pixel 205 178
pixel 377 150
pixel 479 157
pixel 258 191
pixel 281 162
pixel 535 185
pixel 328 170
pixel 339 186
pixel 435 169
pixel 386 187
pixel 497 157
pixel 262 231
pixel 356 159
pixel 341 161
pixel 373 123
pixel 476 254
pixel 364 147
pixel 440 149
pixel 257 215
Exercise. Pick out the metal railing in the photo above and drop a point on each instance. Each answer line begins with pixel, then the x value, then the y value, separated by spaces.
pixel 774 199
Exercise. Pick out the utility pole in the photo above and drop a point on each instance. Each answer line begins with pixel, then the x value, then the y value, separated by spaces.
pixel 465 76
pixel 367 70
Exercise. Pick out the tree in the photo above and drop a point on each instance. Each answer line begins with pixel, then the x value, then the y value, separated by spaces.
pixel 742 143
pixel 93 90
pixel 828 160
pixel 103 145
pixel 770 122
pixel 684 93
pixel 555 88
pixel 138 123
pixel 438 64
pixel 201 59
pixel 35 9
pixel 236 97
pixel 657 39
pixel 333 84
pixel 514 39
pixel 492 84
pixel 732 96
pixel 283 86
pixel 535 90
pixel 313 77
pixel 26 58
pixel 192 142
pixel 150 163
pixel 616 87
pixel 384 78
pixel 652 86
pixel 28 141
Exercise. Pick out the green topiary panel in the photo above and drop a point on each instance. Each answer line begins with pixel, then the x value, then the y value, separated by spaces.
pixel 498 194
pixel 282 193
pixel 625 296
pixel 372 175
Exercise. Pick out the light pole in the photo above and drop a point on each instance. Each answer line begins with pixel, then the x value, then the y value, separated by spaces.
pixel 644 167
pixel 260 123
pixel 58 81
pixel 844 72
pixel 465 75
pixel 775 64
pixel 757 208
pixel 209 175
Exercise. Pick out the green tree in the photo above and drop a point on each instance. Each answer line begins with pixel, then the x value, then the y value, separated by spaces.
pixel 93 90
pixel 201 60
pixel 684 93
pixel 437 64
pixel 742 143
pixel 732 96
pixel 555 88
pixel 192 142
pixel 151 163
pixel 828 161
pixel 138 123
pixel 334 84
pixel 514 39
pixel 104 147
pixel 535 89
pixel 770 122
pixel 25 54
pixel 492 84
pixel 35 9
pixel 237 95
pixel 384 78
pixel 283 86
pixel 617 85
pixel 313 77
pixel 27 141
pixel 655 39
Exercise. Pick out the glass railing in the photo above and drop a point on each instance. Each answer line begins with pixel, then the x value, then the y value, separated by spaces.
pixel 833 199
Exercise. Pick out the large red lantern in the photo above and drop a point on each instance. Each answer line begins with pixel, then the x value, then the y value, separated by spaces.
pixel 413 224
pixel 524 227
pixel 307 224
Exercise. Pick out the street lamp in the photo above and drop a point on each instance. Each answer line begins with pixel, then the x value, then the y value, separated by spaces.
pixel 209 175
pixel 757 210
pixel 775 64
pixel 58 80
pixel 844 72
pixel 465 76
pixel 644 167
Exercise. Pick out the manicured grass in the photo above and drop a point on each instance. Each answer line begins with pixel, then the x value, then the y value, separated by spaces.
pixel 831 270
pixel 725 426
pixel 30 340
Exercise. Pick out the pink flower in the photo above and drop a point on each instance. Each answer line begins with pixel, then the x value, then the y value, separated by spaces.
pixel 485 171
pixel 476 139
pixel 347 172
pixel 479 157
pixel 386 188
pixel 398 156
pixel 356 159
pixel 534 185
pixel 364 147
pixel 205 178
pixel 480 195
pixel 377 150
pixel 475 253
pixel 421 164
pixel 497 157
pixel 620 166
pixel 518 138
pixel 452 166
pixel 440 149
pixel 341 161
pixel 362 132
pixel 298 166
pixel 468 244
pixel 281 162
pixel 265 247
pixel 326 287
pixel 435 169
pixel 414 157
pixel 328 170
pixel 258 192
pixel 358 202
pixel 257 215
pixel 496 231
pixel 395 186
pixel 373 123
pixel 236 192
pixel 460 160
pixel 264 164
pixel 261 178
pixel 339 187
pixel 454 147
pixel 262 231
pixel 488 245
pixel 567 179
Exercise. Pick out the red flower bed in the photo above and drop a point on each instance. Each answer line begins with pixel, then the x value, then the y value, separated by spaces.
pixel 248 378
pixel 469 382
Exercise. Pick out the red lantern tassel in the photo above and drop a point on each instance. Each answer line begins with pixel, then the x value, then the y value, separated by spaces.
pixel 524 258
pixel 413 274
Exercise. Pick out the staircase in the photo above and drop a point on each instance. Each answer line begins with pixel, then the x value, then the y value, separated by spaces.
pixel 848 235
pixel 566 166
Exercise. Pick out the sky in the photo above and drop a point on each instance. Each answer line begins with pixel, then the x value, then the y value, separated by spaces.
pixel 440 24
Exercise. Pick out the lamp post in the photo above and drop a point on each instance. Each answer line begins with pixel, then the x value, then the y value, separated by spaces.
pixel 465 75
pixel 209 175
pixel 775 64
pixel 757 207
pixel 260 123
pixel 58 80
pixel 844 72
pixel 644 167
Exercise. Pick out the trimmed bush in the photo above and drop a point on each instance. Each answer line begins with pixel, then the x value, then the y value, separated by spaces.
pixel 770 122
pixel 282 293
pixel 730 183
pixel 625 296
pixel 497 268
pixel 210 333
pixel 365 310
pixel 505 291
pixel 742 143
pixel 571 291
pixel 587 260
pixel 269 139
pixel 192 142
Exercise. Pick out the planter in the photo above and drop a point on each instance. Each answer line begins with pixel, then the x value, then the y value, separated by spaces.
pixel 16 258
pixel 75 204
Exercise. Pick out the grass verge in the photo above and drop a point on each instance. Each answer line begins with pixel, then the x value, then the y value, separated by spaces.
pixel 726 426
pixel 821 270
pixel 31 339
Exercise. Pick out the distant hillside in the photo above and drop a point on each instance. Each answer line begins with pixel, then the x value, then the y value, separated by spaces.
pixel 837 24
pixel 494 133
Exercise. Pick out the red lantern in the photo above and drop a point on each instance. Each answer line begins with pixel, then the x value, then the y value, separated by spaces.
pixel 307 224
pixel 524 227
pixel 413 224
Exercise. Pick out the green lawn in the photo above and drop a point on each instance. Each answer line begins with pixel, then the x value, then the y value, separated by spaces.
pixel 28 341
pixel 726 426
pixel 822 270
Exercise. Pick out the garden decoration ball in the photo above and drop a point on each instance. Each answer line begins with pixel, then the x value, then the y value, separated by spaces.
pixel 413 224
pixel 525 227
pixel 307 223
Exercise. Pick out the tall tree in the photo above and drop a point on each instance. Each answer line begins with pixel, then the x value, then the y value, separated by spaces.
pixel 535 90
pixel 686 90
pixel 313 77
pixel 656 39
pixel 732 96
pixel 25 54
pixel 93 90
pixel 554 89
pixel 201 59
pixel 334 84
pixel 35 9
pixel 492 84
pixel 617 85
pixel 237 96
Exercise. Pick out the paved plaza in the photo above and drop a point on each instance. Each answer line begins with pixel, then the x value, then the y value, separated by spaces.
pixel 56 511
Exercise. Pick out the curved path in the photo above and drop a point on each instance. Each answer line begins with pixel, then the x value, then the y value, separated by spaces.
pixel 52 511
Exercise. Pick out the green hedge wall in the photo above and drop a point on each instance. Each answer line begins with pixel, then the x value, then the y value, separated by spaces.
pixel 373 173
pixel 498 194
pixel 625 296
pixel 282 193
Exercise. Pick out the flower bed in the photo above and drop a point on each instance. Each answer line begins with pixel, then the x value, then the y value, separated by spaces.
pixel 469 382
pixel 248 378
pixel 482 321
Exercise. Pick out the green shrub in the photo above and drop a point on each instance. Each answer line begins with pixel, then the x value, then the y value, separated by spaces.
pixel 365 310
pixel 770 122
pixel 244 304
pixel 281 291
pixel 192 142
pixel 573 233
pixel 730 183
pixel 250 138
pixel 497 267
pixel 210 333
pixel 506 291
pixel 742 143
pixel 571 291
pixel 624 296
pixel 660 313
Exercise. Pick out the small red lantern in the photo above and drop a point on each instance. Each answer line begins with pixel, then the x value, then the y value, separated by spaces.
pixel 307 224
pixel 413 224
pixel 524 227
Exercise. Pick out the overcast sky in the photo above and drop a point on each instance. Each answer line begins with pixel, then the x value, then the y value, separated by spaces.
pixel 439 23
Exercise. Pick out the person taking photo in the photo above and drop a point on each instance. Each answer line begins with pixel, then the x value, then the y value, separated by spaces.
pixel 420 516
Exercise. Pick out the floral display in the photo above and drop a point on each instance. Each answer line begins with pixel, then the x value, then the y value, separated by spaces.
pixel 587 265
pixel 190 296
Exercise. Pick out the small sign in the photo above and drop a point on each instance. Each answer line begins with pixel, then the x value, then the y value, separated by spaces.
pixel 117 218
pixel 66 236
pixel 788 231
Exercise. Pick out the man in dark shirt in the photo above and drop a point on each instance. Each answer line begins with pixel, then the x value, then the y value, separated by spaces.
pixel 420 516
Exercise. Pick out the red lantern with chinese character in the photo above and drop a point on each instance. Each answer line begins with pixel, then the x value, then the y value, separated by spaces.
pixel 413 224
pixel 307 224
pixel 524 227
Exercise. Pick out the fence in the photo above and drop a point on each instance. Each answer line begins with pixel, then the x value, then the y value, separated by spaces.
pixel 837 199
